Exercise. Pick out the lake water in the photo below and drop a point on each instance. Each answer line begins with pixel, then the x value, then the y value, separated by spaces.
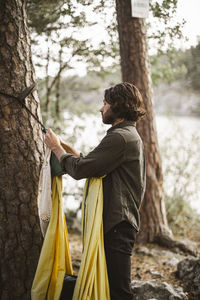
pixel 179 141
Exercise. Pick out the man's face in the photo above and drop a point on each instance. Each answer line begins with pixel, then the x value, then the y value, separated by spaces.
pixel 108 117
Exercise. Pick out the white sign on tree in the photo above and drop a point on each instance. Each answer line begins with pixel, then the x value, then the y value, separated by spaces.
pixel 140 8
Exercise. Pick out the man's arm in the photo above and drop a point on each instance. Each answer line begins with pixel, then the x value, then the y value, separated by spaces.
pixel 106 157
pixel 69 149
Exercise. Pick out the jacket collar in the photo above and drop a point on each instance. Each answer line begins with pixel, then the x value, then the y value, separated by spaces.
pixel 122 124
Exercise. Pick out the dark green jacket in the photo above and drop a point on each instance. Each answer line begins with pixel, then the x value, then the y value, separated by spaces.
pixel 120 155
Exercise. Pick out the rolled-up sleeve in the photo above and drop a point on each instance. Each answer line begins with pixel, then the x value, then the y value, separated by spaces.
pixel 107 156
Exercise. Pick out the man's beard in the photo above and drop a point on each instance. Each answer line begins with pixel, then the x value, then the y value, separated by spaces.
pixel 109 117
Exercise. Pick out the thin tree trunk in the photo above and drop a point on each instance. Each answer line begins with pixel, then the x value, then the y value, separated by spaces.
pixel 135 69
pixel 47 105
pixel 58 85
pixel 21 151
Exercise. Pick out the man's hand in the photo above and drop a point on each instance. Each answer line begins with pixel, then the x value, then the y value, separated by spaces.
pixel 52 140
pixel 58 146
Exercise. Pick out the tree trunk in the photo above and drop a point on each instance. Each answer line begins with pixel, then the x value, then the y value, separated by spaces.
pixel 58 85
pixel 48 91
pixel 21 151
pixel 135 69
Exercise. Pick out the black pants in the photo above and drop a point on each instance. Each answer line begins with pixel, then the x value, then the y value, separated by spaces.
pixel 118 243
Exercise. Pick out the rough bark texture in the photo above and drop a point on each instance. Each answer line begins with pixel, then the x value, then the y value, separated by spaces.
pixel 21 151
pixel 134 64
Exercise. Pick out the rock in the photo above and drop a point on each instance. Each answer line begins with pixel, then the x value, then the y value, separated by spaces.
pixel 159 252
pixel 172 262
pixel 143 251
pixel 187 246
pixel 188 271
pixel 146 290
pixel 170 258
pixel 155 274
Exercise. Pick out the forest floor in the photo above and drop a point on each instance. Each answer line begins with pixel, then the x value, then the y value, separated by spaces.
pixel 149 261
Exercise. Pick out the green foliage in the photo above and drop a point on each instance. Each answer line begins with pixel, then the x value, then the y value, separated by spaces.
pixel 163 8
pixel 180 158
pixel 182 219
pixel 167 67
pixel 175 64
pixel 48 19
pixel 191 59
pixel 60 44
pixel 63 24
pixel 165 30
pixel 41 14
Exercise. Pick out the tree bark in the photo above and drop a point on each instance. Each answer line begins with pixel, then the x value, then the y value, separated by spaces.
pixel 21 152
pixel 135 69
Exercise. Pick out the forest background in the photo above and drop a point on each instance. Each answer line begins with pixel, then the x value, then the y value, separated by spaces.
pixel 79 48
pixel 76 56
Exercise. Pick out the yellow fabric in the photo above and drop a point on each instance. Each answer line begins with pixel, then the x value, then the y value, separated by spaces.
pixel 55 260
pixel 92 282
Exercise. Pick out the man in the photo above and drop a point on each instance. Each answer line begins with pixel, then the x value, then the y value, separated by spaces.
pixel 120 155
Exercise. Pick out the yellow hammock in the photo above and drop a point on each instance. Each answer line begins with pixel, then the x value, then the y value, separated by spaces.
pixel 55 261
pixel 92 282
